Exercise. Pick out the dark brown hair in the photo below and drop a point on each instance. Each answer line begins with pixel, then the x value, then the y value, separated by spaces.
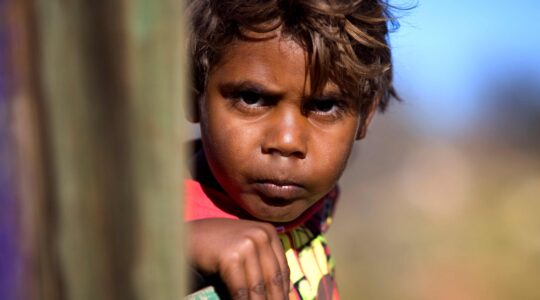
pixel 345 40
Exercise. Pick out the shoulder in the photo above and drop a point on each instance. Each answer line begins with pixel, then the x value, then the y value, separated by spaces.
pixel 202 203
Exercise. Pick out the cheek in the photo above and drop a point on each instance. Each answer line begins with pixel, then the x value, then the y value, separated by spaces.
pixel 333 160
pixel 333 153
pixel 229 145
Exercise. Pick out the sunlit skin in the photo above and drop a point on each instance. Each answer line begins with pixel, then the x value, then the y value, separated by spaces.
pixel 274 148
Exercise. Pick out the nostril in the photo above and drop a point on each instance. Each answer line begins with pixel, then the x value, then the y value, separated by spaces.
pixel 284 152
pixel 298 154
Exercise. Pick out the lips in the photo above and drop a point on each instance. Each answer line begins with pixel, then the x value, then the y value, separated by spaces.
pixel 279 190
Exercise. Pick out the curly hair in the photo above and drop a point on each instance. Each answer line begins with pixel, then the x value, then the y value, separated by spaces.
pixel 345 41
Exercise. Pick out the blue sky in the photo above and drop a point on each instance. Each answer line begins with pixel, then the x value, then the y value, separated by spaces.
pixel 447 53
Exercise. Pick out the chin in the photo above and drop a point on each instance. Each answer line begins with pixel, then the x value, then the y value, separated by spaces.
pixel 278 219
pixel 276 215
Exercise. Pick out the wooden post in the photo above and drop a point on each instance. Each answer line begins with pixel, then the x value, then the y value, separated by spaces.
pixel 28 203
pixel 108 84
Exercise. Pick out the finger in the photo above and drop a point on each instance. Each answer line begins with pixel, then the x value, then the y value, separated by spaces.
pixel 273 262
pixel 279 253
pixel 272 274
pixel 254 272
pixel 232 274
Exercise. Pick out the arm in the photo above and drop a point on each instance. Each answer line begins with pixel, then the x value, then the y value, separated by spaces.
pixel 246 255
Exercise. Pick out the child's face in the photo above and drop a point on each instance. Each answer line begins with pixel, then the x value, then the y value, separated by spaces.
pixel 274 148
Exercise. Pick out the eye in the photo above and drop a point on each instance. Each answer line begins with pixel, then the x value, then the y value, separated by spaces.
pixel 250 98
pixel 327 108
pixel 324 106
pixel 249 101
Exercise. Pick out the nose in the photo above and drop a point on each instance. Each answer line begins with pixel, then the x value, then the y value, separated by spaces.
pixel 286 134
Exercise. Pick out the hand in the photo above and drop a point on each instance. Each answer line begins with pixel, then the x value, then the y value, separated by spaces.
pixel 247 255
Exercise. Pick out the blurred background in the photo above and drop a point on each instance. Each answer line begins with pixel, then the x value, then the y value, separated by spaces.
pixel 442 199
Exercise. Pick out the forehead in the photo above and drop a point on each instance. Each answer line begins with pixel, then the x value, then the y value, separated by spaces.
pixel 276 62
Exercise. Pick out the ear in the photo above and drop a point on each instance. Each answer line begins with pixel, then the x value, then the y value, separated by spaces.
pixel 364 123
pixel 192 109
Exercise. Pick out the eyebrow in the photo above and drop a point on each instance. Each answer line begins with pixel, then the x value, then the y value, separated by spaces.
pixel 229 88
pixel 329 95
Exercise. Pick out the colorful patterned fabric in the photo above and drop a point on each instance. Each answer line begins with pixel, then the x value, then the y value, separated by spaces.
pixel 306 249
pixel 309 259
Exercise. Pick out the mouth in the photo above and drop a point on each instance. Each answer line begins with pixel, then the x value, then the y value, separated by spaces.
pixel 279 192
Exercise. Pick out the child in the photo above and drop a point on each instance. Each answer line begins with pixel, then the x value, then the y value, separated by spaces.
pixel 281 89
